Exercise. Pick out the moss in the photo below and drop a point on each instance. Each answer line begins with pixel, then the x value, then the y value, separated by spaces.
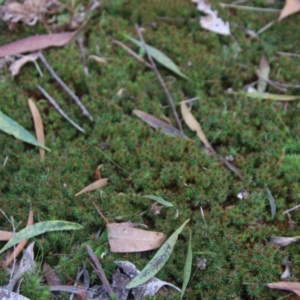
pixel 141 161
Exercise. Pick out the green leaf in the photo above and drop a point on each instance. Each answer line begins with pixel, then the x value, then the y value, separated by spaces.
pixel 159 56
pixel 272 202
pixel 10 126
pixel 40 228
pixel 187 267
pixel 158 261
pixel 159 200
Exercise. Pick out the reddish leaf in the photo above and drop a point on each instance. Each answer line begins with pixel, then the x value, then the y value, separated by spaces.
pixel 286 286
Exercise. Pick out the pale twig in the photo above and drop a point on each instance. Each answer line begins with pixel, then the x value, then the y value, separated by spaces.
pixel 270 82
pixel 260 31
pixel 132 53
pixel 291 209
pixel 57 107
pixel 64 86
pixel 288 54
pixel 251 8
pixel 171 102
pixel 100 271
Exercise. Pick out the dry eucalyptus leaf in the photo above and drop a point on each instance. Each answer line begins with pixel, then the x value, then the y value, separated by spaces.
pixel 94 186
pixel 16 66
pixel 38 125
pixel 286 286
pixel 6 235
pixel 290 7
pixel 264 71
pixel 37 42
pixel 6 294
pixel 213 23
pixel 98 59
pixel 193 124
pixel 124 238
pixel 28 12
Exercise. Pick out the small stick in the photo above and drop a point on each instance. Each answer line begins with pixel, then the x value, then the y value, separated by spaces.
pixel 53 102
pixel 171 102
pixel 270 82
pixel 100 271
pixel 137 57
pixel 288 54
pixel 64 86
pixel 251 8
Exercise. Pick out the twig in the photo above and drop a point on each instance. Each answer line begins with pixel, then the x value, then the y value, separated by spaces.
pixel 270 82
pixel 137 57
pixel 288 54
pixel 64 86
pixel 260 31
pixel 251 8
pixel 100 271
pixel 291 209
pixel 171 102
pixel 100 213
pixel 53 102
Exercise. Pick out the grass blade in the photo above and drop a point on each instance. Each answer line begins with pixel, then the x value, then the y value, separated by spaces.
pixel 10 126
pixel 158 261
pixel 159 200
pixel 272 202
pixel 159 56
pixel 38 229
pixel 187 267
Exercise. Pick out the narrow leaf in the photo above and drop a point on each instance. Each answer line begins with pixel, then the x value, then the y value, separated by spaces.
pixel 272 203
pixel 159 56
pixel 40 228
pixel 158 261
pixel 286 286
pixel 10 126
pixel 37 42
pixel 290 7
pixel 38 125
pixel 264 71
pixel 156 123
pixel 159 200
pixel 187 267
pixel 193 124
pixel 94 186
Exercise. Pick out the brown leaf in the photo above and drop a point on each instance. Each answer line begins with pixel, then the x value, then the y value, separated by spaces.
pixel 37 42
pixel 6 235
pixel 123 238
pixel 156 123
pixel 22 244
pixel 286 286
pixel 193 124
pixel 264 71
pixel 38 125
pixel 50 275
pixel 94 186
pixel 290 7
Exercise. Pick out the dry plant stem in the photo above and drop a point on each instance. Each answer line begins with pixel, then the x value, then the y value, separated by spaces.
pixel 137 57
pixel 288 54
pixel 53 102
pixel 171 102
pixel 64 86
pixel 266 27
pixel 100 270
pixel 251 8
pixel 100 213
pixel 21 245
pixel 291 209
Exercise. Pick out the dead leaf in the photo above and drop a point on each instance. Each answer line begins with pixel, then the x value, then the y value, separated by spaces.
pixel 124 238
pixel 148 289
pixel 37 42
pixel 98 59
pixel 6 294
pixel 22 244
pixel 156 123
pixel 282 241
pixel 16 66
pixel 264 71
pixel 290 7
pixel 286 286
pixel 94 186
pixel 6 235
pixel 50 275
pixel 193 124
pixel 215 24
pixel 28 12
pixel 98 175
pixel 38 125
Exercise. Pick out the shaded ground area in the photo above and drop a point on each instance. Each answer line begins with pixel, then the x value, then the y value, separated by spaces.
pixel 140 161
